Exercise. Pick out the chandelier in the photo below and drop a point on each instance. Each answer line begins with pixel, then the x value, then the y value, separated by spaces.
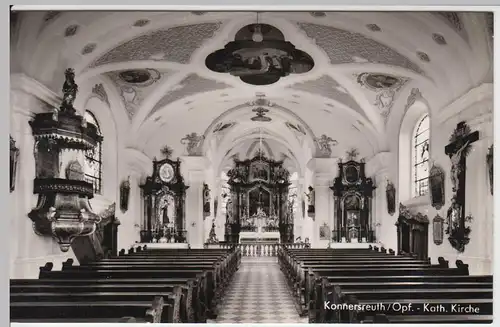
pixel 259 55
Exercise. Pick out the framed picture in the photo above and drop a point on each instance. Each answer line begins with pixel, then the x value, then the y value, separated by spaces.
pixel 390 193
pixel 436 181
pixel 324 232
pixel 438 229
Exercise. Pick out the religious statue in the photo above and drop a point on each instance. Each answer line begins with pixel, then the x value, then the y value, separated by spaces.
pixel 229 210
pixel 455 166
pixel 206 200
pixel 391 198
pixel 69 92
pixel 310 199
pixel 489 162
pixel 192 142
pixel 212 237
pixel 325 144
pixel 453 215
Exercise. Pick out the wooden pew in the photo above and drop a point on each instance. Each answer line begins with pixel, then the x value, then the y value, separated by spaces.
pixel 361 283
pixel 156 311
pixel 186 281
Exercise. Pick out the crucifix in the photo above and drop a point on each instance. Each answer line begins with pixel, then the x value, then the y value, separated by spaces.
pixel 457 150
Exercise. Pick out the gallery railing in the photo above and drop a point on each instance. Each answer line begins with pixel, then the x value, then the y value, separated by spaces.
pixel 257 249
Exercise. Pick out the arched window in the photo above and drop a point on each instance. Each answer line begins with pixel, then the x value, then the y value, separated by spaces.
pixel 421 157
pixel 93 159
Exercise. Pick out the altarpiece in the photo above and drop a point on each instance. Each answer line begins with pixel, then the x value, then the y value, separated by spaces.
pixel 259 202
pixel 352 192
pixel 164 196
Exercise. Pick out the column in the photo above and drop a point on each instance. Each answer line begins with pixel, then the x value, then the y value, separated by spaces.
pixel 194 175
pixel 479 201
pixel 129 229
pixel 325 170
pixel 383 224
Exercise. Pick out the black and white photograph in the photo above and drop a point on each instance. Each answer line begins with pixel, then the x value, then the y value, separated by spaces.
pixel 155 158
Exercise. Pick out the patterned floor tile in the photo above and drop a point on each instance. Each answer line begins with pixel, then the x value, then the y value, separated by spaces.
pixel 258 294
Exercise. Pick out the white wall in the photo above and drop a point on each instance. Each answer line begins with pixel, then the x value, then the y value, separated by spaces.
pixel 476 108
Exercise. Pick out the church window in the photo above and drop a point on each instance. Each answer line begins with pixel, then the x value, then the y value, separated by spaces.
pixel 93 159
pixel 421 157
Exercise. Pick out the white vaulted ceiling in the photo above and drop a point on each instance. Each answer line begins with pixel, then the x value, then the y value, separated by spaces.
pixel 441 54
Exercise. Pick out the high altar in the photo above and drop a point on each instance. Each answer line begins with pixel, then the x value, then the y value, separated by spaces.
pixel 258 208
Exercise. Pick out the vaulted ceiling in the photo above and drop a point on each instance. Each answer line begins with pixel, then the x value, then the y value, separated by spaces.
pixel 149 67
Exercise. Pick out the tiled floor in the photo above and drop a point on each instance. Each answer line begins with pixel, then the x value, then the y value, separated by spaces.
pixel 258 294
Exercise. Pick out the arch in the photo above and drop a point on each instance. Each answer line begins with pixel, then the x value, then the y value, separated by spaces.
pixel 412 119
pixel 109 146
pixel 420 156
pixel 93 158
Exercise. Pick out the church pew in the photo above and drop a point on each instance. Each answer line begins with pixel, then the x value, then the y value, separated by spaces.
pixel 206 284
pixel 174 299
pixel 156 311
pixel 185 304
pixel 193 299
pixel 392 289
pixel 217 282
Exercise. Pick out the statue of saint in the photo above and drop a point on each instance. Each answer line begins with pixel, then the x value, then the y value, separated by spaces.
pixel 455 166
pixel 453 213
pixel 310 199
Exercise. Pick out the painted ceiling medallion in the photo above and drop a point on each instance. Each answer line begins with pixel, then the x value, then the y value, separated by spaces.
pixel 141 77
pixel 259 55
pixel 375 81
pixel 261 115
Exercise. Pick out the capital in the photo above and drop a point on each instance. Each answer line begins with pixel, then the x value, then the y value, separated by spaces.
pixel 194 163
pixel 379 163
pixel 323 165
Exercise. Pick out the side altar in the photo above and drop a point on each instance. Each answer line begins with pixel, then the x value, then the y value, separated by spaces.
pixel 257 207
pixel 353 192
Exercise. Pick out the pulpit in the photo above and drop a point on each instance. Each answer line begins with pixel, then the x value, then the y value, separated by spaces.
pixel 164 201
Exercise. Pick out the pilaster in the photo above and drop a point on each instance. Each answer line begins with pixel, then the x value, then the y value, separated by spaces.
pixel 324 171
pixel 194 172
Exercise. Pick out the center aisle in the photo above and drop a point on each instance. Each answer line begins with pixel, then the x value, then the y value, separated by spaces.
pixel 258 294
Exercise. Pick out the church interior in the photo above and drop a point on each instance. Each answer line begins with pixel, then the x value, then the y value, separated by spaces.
pixel 251 167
